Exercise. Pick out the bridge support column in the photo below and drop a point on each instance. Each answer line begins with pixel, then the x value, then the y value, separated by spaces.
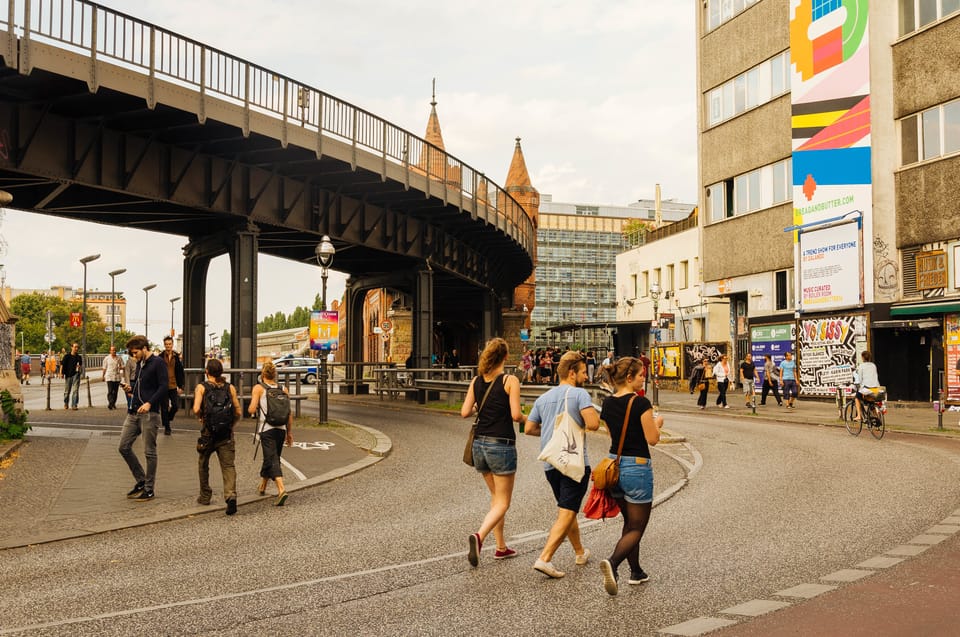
pixel 352 341
pixel 243 307
pixel 488 327
pixel 423 319
pixel 196 264
pixel 513 322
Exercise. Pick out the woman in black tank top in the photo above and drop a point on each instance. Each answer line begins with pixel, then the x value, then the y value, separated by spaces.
pixel 496 396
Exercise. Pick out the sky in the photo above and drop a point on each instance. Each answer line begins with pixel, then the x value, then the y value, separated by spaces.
pixel 601 92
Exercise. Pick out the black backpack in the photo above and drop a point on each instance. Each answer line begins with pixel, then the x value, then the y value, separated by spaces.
pixel 218 410
pixel 278 406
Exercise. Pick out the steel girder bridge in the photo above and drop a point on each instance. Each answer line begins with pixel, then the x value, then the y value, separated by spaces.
pixel 109 119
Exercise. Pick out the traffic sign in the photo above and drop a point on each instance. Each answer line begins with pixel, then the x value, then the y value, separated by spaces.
pixel 49 338
pixel 386 325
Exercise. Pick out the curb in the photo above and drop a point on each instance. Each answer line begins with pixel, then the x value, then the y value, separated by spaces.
pixel 7 448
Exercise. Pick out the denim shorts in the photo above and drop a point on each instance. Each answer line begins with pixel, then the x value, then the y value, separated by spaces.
pixel 790 389
pixel 636 481
pixel 494 457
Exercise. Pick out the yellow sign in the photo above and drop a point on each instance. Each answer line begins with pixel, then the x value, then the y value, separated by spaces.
pixel 932 270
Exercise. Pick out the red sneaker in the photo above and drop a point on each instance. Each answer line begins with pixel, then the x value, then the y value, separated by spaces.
pixel 504 554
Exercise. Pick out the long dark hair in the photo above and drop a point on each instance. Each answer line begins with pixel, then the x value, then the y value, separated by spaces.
pixel 215 370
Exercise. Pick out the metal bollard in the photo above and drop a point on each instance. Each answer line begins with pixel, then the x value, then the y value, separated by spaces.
pixel 89 397
pixel 49 382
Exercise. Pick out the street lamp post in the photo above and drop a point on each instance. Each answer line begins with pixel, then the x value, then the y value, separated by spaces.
pixel 655 296
pixel 172 301
pixel 113 302
pixel 146 311
pixel 325 252
pixel 83 315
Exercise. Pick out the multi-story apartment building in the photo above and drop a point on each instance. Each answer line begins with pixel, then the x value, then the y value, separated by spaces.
pixel 577 246
pixel 106 304
pixel 829 137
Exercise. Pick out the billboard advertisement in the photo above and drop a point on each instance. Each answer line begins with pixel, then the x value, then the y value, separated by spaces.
pixel 830 104
pixel 325 330
pixel 830 267
pixel 773 341
pixel 829 349
pixel 952 347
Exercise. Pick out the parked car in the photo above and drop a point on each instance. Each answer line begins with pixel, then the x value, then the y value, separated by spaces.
pixel 307 367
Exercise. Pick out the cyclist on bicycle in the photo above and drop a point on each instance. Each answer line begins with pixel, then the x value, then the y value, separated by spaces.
pixel 867 378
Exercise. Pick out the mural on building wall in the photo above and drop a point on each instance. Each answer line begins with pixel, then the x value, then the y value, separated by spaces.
pixel 886 273
pixel 710 353
pixel 828 351
pixel 830 95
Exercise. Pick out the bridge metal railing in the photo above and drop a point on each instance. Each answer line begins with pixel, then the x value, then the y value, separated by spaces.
pixel 105 34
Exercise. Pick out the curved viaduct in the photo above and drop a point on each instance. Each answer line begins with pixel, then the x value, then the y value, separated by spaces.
pixel 106 118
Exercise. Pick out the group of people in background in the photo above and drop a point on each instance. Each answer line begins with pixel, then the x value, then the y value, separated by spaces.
pixel 541 366
pixel 775 377
pixel 493 399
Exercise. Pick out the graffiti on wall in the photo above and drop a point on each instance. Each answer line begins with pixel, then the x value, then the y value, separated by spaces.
pixel 709 353
pixel 828 349
pixel 886 274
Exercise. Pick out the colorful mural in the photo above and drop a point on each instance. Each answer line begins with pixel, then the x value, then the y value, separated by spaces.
pixel 830 93
pixel 829 349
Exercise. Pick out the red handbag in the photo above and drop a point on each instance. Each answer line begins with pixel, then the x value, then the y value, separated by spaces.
pixel 600 505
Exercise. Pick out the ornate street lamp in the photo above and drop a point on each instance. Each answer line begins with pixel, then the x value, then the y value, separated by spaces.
pixel 325 252
pixel 655 296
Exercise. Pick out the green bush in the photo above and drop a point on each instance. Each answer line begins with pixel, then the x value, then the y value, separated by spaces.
pixel 13 425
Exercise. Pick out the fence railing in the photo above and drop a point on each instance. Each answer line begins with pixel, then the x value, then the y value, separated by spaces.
pixel 104 34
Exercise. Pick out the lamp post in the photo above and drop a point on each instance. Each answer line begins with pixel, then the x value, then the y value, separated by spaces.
pixel 146 311
pixel 211 335
pixel 172 301
pixel 113 301
pixel 655 296
pixel 83 315
pixel 325 252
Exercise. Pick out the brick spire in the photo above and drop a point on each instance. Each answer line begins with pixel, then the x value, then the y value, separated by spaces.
pixel 433 135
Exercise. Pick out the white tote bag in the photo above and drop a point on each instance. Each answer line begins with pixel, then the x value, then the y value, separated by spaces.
pixel 564 450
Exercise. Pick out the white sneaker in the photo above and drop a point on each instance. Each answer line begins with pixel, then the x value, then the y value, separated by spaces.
pixel 583 558
pixel 547 569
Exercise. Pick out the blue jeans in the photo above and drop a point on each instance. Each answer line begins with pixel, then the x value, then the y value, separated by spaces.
pixel 148 424
pixel 71 390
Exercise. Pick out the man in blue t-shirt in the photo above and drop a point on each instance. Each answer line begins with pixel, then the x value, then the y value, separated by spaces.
pixel 789 379
pixel 572 371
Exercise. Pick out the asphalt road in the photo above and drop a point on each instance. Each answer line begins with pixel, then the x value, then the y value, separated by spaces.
pixel 382 552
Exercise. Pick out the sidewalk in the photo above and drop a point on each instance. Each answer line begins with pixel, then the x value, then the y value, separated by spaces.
pixel 67 478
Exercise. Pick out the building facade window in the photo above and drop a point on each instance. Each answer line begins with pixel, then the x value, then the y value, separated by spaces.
pixel 930 134
pixel 758 189
pixel 782 289
pixel 684 281
pixel 755 87
pixel 916 14
pixel 668 284
pixel 720 11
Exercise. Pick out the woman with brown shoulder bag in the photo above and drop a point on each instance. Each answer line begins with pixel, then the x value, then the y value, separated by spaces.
pixel 633 430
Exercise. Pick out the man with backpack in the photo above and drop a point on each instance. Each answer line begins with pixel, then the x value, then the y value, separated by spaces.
pixel 148 390
pixel 274 427
pixel 216 404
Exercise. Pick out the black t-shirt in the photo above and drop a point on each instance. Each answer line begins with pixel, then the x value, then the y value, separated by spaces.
pixel 612 413
pixel 748 370
pixel 495 419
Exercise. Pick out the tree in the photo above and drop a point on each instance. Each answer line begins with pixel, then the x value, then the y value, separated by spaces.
pixel 635 231
pixel 32 312
pixel 225 340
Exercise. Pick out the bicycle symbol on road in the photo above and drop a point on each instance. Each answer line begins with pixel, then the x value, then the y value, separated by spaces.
pixel 307 446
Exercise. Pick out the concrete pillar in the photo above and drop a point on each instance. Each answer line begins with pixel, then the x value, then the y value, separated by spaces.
pixel 401 338
pixel 513 322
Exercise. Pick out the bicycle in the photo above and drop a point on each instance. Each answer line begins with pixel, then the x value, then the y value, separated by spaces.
pixel 872 412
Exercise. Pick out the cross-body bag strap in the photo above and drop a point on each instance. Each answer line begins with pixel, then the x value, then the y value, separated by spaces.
pixel 484 399
pixel 623 430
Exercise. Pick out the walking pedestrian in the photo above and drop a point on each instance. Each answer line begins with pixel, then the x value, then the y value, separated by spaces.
pixel 25 368
pixel 43 367
pixel 700 383
pixel 129 376
pixel 112 375
pixel 72 369
pixel 634 489
pixel 591 366
pixel 148 391
pixel 721 371
pixel 748 373
pixel 647 372
pixel 770 382
pixel 175 382
pixel 272 436
pixel 51 366
pixel 789 379
pixel 216 432
pixel 494 397
pixel 567 492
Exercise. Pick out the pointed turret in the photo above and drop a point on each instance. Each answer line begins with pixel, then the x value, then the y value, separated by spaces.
pixel 519 187
pixel 431 159
pixel 433 134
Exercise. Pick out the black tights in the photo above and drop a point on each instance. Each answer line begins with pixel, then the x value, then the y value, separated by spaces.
pixel 635 518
